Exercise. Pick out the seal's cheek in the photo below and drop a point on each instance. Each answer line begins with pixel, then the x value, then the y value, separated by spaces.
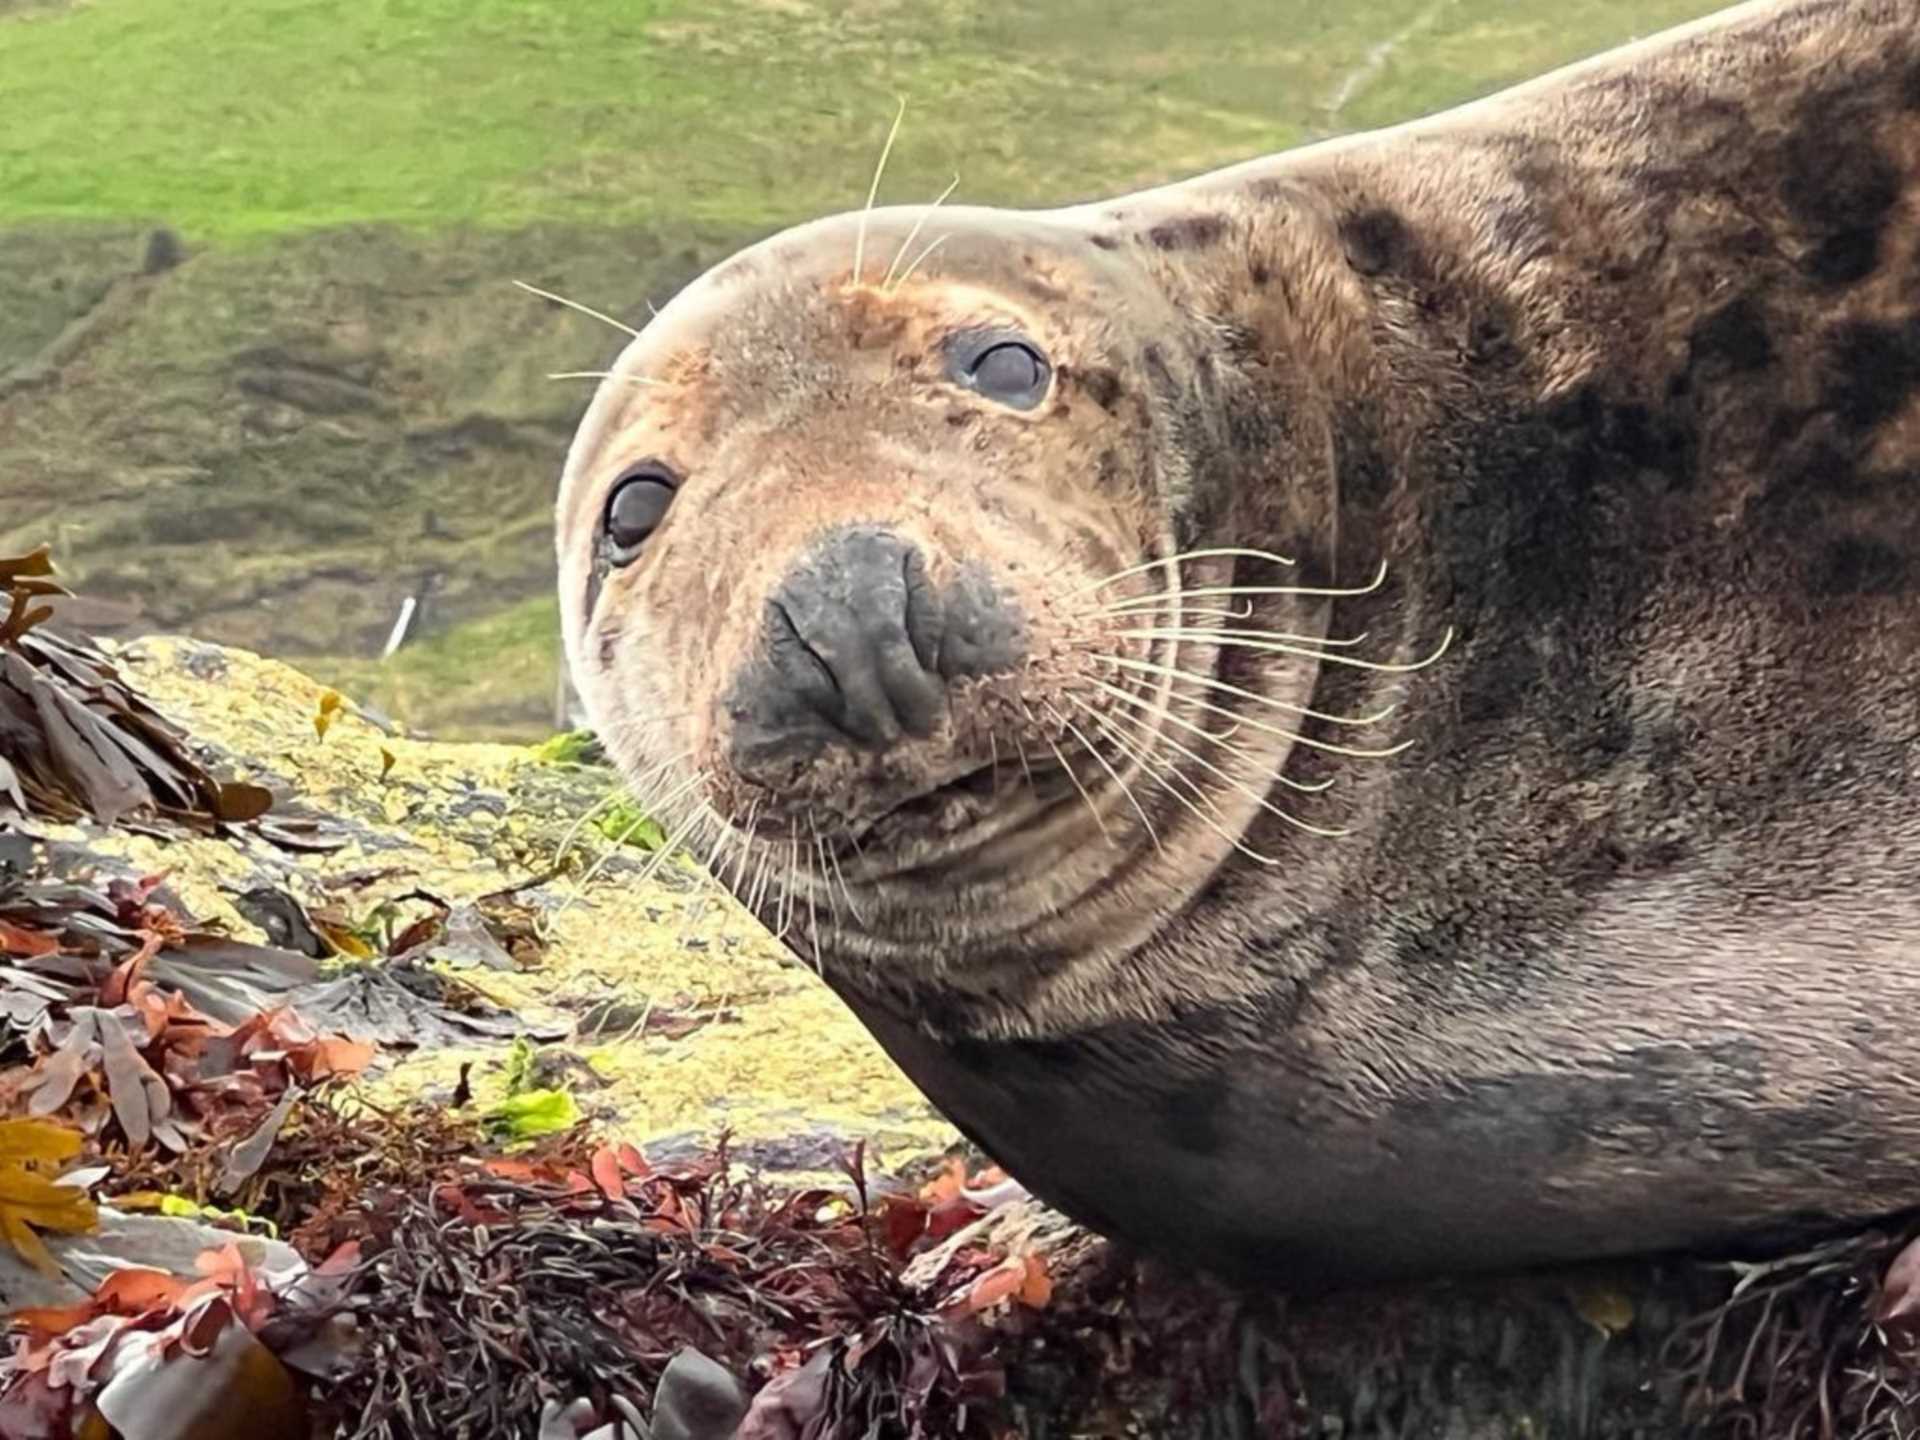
pixel 858 648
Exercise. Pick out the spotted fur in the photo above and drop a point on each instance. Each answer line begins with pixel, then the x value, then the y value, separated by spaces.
pixel 1620 374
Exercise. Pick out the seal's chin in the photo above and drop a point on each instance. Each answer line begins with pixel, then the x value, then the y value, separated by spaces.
pixel 943 815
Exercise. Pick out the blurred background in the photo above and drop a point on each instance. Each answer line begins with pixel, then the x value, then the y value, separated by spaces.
pixel 264 377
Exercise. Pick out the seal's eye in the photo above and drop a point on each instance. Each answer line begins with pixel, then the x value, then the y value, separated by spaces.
pixel 636 507
pixel 1002 367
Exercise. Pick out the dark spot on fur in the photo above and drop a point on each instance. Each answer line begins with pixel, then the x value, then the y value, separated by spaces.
pixel 1259 273
pixel 1490 338
pixel 1845 258
pixel 1192 233
pixel 1102 384
pixel 1873 371
pixel 1731 339
pixel 1193 1117
pixel 960 419
pixel 1839 186
pixel 1158 372
pixel 1631 851
pixel 1557 522
pixel 1240 340
pixel 1104 242
pixel 1375 240
pixel 1859 565
pixel 609 640
pixel 1660 1088
pixel 1517 231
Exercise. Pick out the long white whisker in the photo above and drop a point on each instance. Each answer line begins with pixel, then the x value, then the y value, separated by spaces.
pixel 602 375
pixel 746 847
pixel 873 192
pixel 716 858
pixel 645 813
pixel 611 797
pixel 925 250
pixel 1225 632
pixel 1027 770
pixel 1237 751
pixel 1216 592
pixel 1125 789
pixel 1180 559
pixel 914 233
pixel 1277 647
pixel 1099 820
pixel 757 891
pixel 1247 790
pixel 586 816
pixel 1220 737
pixel 787 905
pixel 1150 667
pixel 576 305
pixel 845 888
pixel 1165 783
pixel 1241 751
pixel 674 838
pixel 813 918
pixel 1326 746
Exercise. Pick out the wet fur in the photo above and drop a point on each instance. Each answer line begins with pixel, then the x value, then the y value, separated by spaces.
pixel 1621 374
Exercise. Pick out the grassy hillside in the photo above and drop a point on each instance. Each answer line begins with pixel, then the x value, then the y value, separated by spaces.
pixel 261 371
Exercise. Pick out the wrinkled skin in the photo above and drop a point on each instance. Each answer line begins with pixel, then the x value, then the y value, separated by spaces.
pixel 1581 916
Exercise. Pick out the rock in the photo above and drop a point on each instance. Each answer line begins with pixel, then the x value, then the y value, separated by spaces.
pixel 788 1070
pixel 697 1400
pixel 155 1242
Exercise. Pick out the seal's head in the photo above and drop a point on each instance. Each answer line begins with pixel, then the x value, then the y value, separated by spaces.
pixel 880 582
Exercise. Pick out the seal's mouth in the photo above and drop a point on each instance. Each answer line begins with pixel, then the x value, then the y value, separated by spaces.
pixel 947 811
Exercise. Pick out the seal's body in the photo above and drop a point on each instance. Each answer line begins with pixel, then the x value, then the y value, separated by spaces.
pixel 1555 893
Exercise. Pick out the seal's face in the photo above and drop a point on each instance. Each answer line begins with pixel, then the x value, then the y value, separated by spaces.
pixel 861 578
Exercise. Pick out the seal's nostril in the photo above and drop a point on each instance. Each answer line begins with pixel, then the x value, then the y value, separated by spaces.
pixel 924 617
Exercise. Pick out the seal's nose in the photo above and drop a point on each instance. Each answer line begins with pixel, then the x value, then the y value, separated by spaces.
pixel 859 647
pixel 855 630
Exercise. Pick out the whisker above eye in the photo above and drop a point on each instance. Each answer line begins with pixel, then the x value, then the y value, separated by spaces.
pixel 914 234
pixel 602 317
pixel 873 192
pixel 925 250
pixel 603 375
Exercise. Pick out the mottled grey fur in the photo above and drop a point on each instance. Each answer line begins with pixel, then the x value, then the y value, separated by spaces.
pixel 1620 374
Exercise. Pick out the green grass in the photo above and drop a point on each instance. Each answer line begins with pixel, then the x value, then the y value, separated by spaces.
pixel 488 679
pixel 231 120
pixel 340 393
